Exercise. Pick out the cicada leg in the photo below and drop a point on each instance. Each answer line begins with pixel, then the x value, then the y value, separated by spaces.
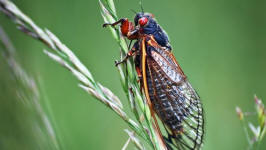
pixel 128 55
pixel 138 70
pixel 131 53
pixel 115 23
pixel 127 28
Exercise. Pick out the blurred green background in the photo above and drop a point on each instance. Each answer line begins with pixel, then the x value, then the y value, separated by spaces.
pixel 221 46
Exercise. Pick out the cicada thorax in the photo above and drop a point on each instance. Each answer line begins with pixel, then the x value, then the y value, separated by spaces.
pixel 173 99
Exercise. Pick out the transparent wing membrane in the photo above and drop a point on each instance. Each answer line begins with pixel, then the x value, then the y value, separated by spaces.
pixel 174 100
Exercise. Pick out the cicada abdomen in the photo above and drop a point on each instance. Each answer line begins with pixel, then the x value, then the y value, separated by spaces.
pixel 165 85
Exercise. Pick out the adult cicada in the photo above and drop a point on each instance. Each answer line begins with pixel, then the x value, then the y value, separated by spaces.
pixel 164 83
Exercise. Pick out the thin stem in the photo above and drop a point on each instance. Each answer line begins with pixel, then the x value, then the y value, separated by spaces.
pixel 66 58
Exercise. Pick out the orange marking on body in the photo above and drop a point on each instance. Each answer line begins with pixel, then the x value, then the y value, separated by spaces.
pixel 138 71
pixel 145 86
pixel 143 63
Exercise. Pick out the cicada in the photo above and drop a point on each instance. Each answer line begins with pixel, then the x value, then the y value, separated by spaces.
pixel 164 83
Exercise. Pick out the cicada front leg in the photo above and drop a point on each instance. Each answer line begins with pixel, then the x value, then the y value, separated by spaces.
pixel 127 28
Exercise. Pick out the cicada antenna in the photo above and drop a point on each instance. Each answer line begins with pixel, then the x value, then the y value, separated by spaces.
pixel 141 6
pixel 133 11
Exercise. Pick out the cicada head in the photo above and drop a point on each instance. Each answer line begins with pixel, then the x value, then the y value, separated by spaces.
pixel 142 19
pixel 148 26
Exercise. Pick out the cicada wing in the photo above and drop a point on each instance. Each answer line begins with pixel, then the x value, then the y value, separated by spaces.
pixel 174 100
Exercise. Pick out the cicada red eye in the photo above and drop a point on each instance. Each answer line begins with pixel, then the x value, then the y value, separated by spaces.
pixel 143 21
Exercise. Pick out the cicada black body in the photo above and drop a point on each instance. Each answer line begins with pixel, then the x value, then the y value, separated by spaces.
pixel 165 85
